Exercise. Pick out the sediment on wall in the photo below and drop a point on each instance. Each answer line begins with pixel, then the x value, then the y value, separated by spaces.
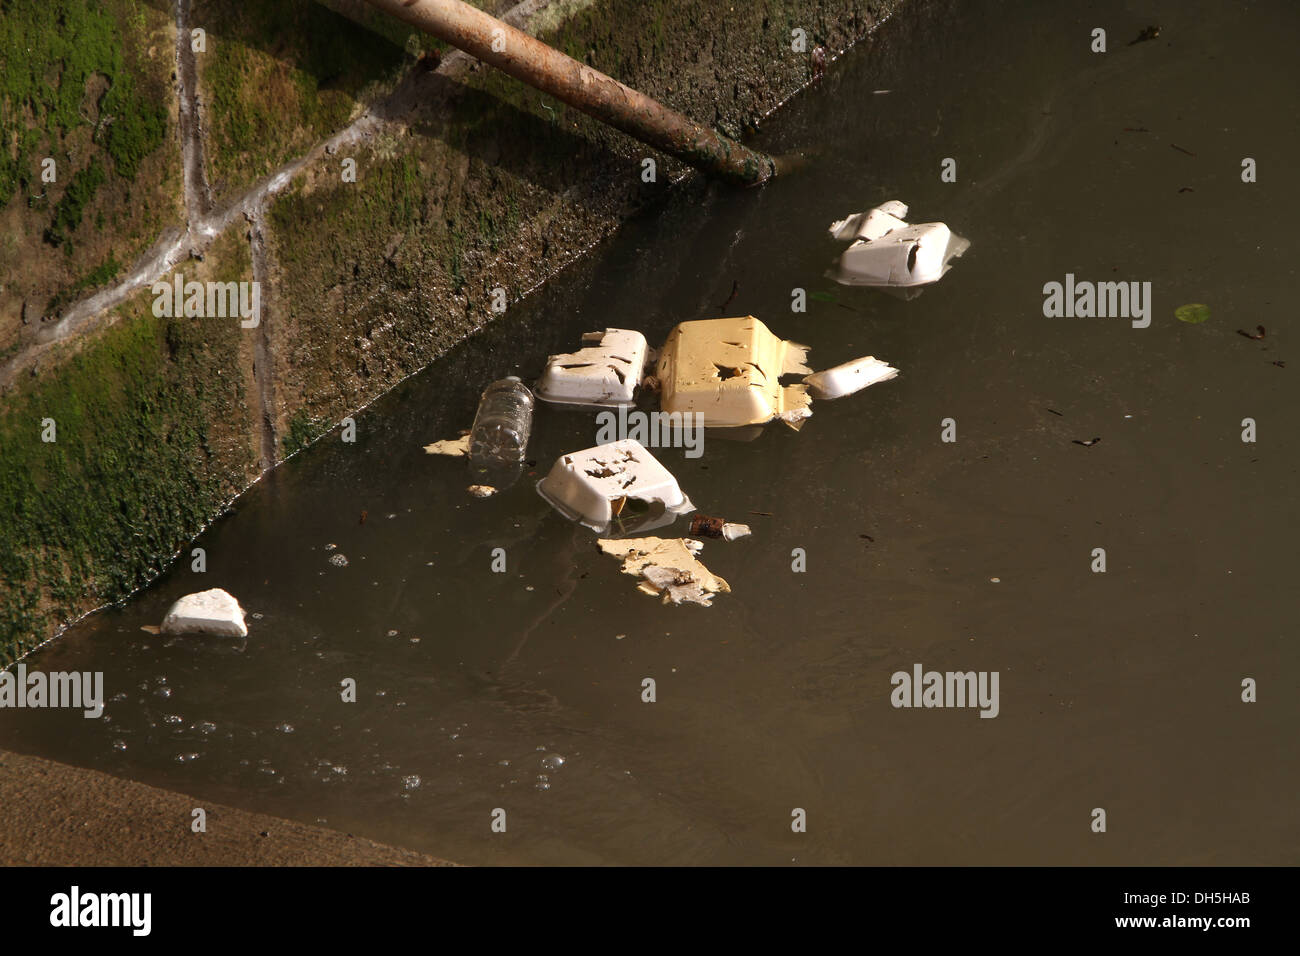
pixel 464 181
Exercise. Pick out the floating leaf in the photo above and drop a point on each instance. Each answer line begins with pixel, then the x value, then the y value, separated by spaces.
pixel 1194 313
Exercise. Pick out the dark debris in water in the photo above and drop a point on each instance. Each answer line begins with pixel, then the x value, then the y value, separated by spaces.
pixel 735 288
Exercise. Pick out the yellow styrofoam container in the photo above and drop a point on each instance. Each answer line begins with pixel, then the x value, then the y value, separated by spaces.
pixel 729 371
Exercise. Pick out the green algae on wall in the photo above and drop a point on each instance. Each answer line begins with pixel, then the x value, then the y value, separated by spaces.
pixel 69 42
pixel 150 438
pixel 277 77
pixel 85 101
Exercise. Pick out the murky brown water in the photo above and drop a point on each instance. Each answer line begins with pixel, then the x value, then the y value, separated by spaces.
pixel 1118 690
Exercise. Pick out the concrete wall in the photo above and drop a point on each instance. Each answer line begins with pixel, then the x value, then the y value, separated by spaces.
pixel 465 181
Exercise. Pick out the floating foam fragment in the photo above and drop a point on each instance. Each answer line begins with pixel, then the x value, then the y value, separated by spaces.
pixel 450 446
pixel 887 251
pixel 849 378
pixel 667 567
pixel 593 486
pixel 605 371
pixel 729 372
pixel 214 612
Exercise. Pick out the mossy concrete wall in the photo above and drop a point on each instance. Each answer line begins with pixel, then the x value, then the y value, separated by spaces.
pixel 466 181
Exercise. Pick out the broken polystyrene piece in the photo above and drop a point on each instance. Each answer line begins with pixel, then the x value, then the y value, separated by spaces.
pixel 729 371
pixel 732 530
pixel 450 446
pixel 214 612
pixel 605 371
pixel 849 378
pixel 594 485
pixel 481 491
pixel 871 224
pixel 887 251
pixel 667 567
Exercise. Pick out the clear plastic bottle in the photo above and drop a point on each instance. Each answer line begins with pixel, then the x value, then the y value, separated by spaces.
pixel 502 425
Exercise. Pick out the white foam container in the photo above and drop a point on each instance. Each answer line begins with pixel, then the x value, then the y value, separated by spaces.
pixel 584 485
pixel 886 251
pixel 605 371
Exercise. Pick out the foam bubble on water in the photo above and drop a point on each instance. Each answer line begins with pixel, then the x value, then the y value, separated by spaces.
pixel 552 762
pixel 411 782
pixel 163 692
pixel 284 728
pixel 331 546
pixel 205 727
pixel 186 758
pixel 119 744
pixel 173 719
pixel 339 560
